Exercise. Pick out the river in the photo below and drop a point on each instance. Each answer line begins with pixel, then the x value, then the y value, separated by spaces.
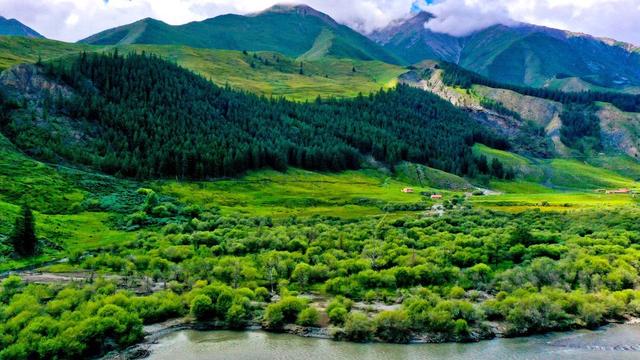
pixel 616 342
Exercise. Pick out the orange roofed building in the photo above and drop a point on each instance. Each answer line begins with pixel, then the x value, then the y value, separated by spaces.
pixel 619 191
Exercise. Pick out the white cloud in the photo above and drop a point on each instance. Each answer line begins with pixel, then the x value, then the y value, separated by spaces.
pixel 609 18
pixel 72 20
pixel 462 17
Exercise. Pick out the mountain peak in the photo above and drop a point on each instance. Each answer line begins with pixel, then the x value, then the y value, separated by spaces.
pixel 16 28
pixel 422 16
pixel 299 9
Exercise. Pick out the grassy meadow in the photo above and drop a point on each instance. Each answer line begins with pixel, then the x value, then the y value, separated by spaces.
pixel 263 73
pixel 80 211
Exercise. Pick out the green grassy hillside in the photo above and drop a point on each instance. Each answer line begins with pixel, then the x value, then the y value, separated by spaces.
pixel 289 30
pixel 272 74
pixel 16 50
pixel 263 73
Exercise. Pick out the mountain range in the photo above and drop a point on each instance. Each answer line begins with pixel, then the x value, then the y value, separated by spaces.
pixel 521 54
pixel 15 27
pixel 518 54
pixel 297 31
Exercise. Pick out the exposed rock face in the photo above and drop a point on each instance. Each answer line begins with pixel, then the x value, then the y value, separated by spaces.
pixel 28 81
pixel 507 126
pixel 620 131
pixel 37 94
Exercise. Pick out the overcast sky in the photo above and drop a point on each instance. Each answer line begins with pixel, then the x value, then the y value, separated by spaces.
pixel 71 20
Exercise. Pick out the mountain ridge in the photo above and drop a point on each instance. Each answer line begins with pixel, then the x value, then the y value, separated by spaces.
pixel 290 30
pixel 16 28
pixel 518 53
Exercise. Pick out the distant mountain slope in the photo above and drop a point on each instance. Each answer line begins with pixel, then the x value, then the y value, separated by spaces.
pixel 538 122
pixel 15 27
pixel 171 122
pixel 262 73
pixel 290 30
pixel 520 54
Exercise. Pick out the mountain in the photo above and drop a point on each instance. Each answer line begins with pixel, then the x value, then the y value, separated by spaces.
pixel 141 116
pixel 519 54
pixel 296 31
pixel 538 122
pixel 16 28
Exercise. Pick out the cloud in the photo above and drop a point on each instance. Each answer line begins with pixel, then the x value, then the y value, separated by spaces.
pixel 71 20
pixel 607 18
pixel 463 17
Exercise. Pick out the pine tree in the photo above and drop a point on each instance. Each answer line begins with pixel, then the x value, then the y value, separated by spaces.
pixel 24 234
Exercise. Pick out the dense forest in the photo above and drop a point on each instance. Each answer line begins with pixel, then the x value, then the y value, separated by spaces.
pixel 581 128
pixel 457 76
pixel 141 116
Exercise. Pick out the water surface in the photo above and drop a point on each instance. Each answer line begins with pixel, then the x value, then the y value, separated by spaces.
pixel 610 343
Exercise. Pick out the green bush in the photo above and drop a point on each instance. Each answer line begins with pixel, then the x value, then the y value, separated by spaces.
pixel 337 315
pixel 393 326
pixel 358 327
pixel 308 317
pixel 202 308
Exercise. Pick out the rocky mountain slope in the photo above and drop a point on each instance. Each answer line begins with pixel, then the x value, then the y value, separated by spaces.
pixel 533 124
pixel 519 54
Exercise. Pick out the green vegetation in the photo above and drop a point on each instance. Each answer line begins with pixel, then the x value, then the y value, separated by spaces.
pixel 24 238
pixel 581 129
pixel 16 50
pixel 290 30
pixel 459 77
pixel 174 123
pixel 532 271
pixel 262 73
pixel 273 74
pixel 373 217
pixel 519 54
pixel 222 249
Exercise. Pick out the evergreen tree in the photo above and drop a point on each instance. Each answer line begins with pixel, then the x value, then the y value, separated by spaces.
pixel 24 233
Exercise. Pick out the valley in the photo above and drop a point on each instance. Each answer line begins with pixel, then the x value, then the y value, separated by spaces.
pixel 156 182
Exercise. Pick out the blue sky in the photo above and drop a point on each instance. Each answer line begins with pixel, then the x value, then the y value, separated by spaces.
pixel 71 20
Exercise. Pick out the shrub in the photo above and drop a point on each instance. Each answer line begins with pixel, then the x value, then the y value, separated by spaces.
pixel 358 327
pixel 308 317
pixel 338 315
pixel 282 312
pixel 393 326
pixel 236 317
pixel 202 308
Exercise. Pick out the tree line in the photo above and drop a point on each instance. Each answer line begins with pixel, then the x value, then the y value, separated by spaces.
pixel 145 117
pixel 455 75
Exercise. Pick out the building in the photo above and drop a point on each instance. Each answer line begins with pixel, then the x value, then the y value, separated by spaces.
pixel 619 191
pixel 407 190
pixel 436 197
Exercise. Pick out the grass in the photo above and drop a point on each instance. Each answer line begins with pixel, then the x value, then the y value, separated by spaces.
pixel 416 174
pixel 72 232
pixel 269 73
pixel 558 201
pixel 534 175
pixel 26 181
pixel 55 194
pixel 273 74
pixel 17 50
pixel 298 193
pixel 525 168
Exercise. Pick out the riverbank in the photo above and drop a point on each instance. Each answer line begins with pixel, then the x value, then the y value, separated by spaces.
pixel 614 342
pixel 156 332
